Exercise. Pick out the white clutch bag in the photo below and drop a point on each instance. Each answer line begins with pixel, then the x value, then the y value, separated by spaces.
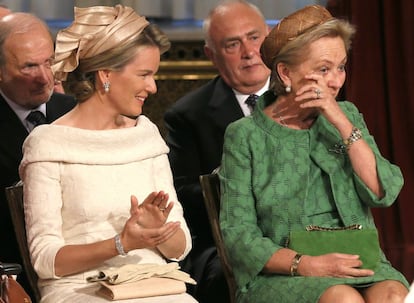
pixel 148 287
pixel 141 280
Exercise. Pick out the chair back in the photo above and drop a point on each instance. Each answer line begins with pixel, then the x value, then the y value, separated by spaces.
pixel 14 196
pixel 210 185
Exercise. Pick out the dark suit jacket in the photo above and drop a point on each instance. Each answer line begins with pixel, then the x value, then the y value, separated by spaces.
pixel 196 124
pixel 12 135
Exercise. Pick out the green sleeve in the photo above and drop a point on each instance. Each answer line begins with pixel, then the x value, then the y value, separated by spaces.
pixel 389 174
pixel 248 249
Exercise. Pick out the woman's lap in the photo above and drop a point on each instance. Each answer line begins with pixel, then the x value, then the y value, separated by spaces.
pixel 286 289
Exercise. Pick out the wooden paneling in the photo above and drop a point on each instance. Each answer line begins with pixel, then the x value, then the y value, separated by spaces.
pixel 182 69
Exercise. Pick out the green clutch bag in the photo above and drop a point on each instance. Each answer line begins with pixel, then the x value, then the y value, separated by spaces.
pixel 315 241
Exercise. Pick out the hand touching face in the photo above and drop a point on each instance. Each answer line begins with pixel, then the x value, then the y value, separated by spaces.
pixel 317 81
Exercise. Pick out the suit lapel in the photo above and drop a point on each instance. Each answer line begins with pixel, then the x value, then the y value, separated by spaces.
pixel 223 107
pixel 58 105
pixel 12 135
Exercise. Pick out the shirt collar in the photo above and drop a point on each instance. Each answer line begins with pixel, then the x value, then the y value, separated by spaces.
pixel 241 98
pixel 23 112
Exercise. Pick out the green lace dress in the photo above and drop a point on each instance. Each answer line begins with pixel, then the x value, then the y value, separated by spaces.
pixel 275 180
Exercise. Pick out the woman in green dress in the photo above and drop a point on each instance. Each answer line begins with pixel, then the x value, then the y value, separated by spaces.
pixel 305 159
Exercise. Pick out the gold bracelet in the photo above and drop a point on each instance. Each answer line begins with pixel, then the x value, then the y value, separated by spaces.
pixel 356 134
pixel 294 265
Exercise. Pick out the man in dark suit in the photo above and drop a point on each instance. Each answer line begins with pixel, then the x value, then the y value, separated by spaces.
pixel 26 85
pixel 196 124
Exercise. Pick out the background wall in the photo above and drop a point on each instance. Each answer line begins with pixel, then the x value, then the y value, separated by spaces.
pixel 175 9
pixel 380 81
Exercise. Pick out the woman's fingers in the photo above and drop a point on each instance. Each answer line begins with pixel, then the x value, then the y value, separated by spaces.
pixel 134 206
pixel 162 234
pixel 157 199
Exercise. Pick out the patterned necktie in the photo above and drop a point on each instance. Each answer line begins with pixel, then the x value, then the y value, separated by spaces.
pixel 251 101
pixel 36 118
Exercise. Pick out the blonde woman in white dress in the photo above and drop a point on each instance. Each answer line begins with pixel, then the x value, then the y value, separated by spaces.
pixel 98 190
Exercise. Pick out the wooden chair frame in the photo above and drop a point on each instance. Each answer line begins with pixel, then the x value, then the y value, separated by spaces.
pixel 210 185
pixel 14 196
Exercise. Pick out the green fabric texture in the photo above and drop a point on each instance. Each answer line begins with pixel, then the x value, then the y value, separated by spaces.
pixel 363 242
pixel 273 179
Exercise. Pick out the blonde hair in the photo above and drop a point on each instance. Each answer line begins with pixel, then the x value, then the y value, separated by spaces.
pixel 294 51
pixel 81 82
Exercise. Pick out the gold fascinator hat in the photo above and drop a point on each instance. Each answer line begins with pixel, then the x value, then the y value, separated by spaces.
pixel 94 30
pixel 291 27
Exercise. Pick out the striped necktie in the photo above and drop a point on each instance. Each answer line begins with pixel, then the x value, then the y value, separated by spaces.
pixel 251 101
pixel 36 118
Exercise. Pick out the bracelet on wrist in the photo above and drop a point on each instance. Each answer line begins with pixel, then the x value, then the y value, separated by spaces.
pixel 294 265
pixel 355 135
pixel 118 246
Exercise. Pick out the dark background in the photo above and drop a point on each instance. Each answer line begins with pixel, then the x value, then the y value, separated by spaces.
pixel 380 82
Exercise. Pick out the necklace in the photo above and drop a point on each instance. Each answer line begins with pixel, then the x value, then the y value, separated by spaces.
pixel 282 121
pixel 291 121
pixel 304 124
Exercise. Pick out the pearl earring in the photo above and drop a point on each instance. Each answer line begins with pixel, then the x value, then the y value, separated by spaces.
pixel 288 89
pixel 106 86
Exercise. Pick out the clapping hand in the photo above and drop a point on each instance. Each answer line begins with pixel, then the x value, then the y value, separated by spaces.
pixel 147 225
pixel 153 212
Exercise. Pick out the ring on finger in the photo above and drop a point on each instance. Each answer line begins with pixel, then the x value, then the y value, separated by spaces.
pixel 318 93
pixel 162 209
